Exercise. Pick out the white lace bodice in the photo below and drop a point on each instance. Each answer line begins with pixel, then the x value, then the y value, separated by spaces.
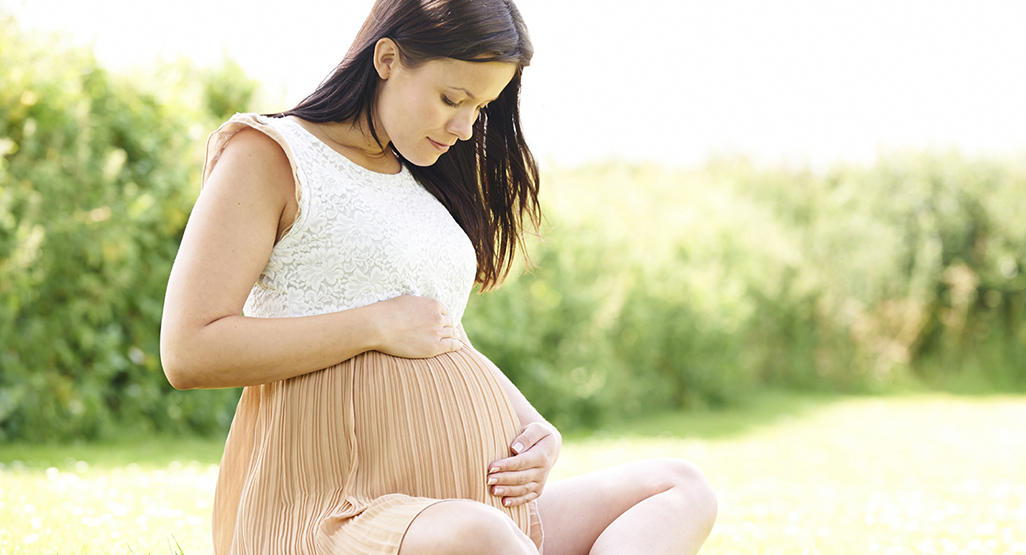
pixel 360 236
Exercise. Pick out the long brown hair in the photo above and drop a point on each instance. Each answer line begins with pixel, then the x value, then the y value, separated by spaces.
pixel 487 183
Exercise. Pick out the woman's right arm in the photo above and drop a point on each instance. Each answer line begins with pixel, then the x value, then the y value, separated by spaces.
pixel 206 342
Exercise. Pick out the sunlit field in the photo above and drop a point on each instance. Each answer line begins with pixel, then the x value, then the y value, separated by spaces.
pixel 795 474
pixel 925 474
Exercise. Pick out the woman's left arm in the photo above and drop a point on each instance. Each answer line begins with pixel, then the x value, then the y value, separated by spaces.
pixel 521 477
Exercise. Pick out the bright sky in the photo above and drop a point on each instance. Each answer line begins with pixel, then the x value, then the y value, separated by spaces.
pixel 790 81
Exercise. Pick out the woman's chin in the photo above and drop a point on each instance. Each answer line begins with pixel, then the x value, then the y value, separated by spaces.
pixel 423 160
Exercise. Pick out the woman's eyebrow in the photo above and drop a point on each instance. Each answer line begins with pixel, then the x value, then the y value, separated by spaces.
pixel 469 94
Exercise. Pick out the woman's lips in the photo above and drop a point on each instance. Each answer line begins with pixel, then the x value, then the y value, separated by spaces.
pixel 438 145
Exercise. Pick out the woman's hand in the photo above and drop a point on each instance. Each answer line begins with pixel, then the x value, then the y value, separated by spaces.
pixel 521 478
pixel 412 326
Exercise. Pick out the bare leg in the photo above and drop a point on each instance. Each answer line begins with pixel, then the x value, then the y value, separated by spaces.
pixel 460 526
pixel 653 506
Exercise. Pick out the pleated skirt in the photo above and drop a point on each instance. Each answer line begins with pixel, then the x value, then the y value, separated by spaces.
pixel 343 459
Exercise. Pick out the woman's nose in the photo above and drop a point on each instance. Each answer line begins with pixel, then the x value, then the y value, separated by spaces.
pixel 462 124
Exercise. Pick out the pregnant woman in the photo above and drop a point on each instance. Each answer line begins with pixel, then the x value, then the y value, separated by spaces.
pixel 325 268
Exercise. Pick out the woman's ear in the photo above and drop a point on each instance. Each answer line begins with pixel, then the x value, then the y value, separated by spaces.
pixel 386 57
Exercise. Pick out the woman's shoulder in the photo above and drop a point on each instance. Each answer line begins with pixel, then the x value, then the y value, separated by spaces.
pixel 257 158
pixel 247 121
pixel 249 150
pixel 242 120
pixel 248 135
pixel 250 118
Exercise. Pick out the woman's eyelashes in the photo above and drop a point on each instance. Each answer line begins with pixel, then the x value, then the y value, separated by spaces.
pixel 449 102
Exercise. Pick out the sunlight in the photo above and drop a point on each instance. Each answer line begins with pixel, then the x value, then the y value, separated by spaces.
pixel 798 82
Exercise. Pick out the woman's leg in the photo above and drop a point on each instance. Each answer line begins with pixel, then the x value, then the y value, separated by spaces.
pixel 652 506
pixel 460 526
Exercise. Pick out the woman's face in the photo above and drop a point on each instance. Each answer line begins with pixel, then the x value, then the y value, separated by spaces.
pixel 425 110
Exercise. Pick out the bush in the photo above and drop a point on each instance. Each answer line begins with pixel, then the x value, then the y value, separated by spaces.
pixel 661 289
pixel 97 178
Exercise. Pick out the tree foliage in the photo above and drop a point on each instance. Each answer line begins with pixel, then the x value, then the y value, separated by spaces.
pixel 660 289
pixel 97 177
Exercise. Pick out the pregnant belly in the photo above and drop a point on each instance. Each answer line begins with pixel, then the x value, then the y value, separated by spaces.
pixel 428 427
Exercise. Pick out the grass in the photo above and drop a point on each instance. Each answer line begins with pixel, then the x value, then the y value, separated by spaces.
pixel 922 473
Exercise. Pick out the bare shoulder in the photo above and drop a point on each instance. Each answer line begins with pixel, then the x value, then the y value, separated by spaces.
pixel 255 164
pixel 252 154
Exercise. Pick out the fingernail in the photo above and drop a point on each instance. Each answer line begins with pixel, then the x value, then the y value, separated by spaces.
pixel 498 491
pixel 493 469
pixel 492 480
pixel 506 502
pixel 518 447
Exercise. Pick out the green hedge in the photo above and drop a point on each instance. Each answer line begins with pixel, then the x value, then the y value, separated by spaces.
pixel 97 178
pixel 658 289
pixel 652 288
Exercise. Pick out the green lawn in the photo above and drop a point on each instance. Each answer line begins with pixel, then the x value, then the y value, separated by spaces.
pixel 795 474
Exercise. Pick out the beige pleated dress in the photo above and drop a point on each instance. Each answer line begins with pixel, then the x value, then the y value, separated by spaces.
pixel 342 460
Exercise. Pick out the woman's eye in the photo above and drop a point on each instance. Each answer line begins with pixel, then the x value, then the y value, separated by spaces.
pixel 447 101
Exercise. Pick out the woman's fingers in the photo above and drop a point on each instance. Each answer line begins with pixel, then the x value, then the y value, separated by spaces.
pixel 517 487
pixel 450 338
pixel 521 478
pixel 515 477
pixel 454 344
pixel 520 500
pixel 531 434
pixel 532 458
pixel 515 491
pixel 417 327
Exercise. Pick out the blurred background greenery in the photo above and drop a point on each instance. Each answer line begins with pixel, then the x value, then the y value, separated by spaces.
pixel 654 289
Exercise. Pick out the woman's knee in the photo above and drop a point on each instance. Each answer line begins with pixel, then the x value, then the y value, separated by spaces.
pixel 693 485
pixel 462 526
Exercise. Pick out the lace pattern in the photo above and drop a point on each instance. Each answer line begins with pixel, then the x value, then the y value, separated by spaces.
pixel 360 236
